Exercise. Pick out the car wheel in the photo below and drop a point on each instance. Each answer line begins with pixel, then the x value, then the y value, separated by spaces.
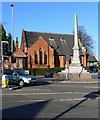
pixel 21 83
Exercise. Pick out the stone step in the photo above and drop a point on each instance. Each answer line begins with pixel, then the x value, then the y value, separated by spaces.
pixel 75 75
pixel 75 70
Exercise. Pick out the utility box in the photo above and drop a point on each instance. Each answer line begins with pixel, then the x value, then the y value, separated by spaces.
pixel 4 81
pixel 94 76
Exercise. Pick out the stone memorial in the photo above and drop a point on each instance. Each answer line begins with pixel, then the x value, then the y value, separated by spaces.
pixel 75 66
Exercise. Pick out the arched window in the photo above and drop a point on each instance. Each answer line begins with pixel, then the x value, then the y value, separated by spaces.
pixel 40 56
pixel 45 58
pixel 36 58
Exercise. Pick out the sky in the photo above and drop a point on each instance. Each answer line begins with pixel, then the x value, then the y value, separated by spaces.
pixel 53 17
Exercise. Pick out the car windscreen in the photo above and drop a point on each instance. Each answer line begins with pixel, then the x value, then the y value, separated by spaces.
pixel 22 73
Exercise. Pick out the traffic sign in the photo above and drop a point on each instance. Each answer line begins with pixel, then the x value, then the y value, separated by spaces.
pixel 67 57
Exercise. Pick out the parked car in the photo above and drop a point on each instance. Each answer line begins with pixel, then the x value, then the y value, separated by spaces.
pixel 19 77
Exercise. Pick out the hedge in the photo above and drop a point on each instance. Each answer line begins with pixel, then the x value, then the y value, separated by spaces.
pixel 42 71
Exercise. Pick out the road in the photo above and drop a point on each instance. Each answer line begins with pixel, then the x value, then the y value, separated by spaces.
pixel 51 100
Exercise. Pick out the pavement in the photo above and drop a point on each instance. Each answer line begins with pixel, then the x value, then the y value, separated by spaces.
pixel 81 81
pixel 64 80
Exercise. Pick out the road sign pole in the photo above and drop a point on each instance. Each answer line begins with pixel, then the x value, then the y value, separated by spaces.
pixel 67 66
pixel 67 70
pixel 3 55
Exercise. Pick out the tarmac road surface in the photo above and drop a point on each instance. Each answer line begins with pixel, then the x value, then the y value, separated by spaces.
pixel 52 100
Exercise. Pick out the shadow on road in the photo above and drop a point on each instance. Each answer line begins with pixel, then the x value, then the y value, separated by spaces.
pixel 42 82
pixel 24 112
pixel 92 95
pixel 38 83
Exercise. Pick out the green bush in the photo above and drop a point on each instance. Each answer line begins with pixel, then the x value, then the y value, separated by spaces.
pixel 56 70
pixel 42 71
pixel 38 71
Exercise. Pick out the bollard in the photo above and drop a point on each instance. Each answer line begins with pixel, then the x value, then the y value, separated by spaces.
pixel 4 81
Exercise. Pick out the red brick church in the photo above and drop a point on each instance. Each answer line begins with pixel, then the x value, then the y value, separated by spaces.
pixel 40 49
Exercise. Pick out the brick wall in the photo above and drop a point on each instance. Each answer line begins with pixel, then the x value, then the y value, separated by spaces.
pixel 84 58
pixel 35 49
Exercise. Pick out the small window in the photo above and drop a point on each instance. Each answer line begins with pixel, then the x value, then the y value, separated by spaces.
pixel 40 55
pixel 19 63
pixel 45 58
pixel 35 58
pixel 62 39
pixel 51 38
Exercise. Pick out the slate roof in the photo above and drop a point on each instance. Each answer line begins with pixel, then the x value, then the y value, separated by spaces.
pixel 62 47
pixel 91 58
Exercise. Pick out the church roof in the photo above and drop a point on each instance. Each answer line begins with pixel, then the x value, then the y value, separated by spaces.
pixel 62 43
pixel 91 58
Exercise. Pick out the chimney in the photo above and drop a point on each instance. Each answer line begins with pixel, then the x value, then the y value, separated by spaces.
pixel 16 43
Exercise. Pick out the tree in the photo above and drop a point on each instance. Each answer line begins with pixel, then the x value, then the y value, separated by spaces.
pixel 9 37
pixel 9 40
pixel 85 39
pixel 3 36
pixel 14 48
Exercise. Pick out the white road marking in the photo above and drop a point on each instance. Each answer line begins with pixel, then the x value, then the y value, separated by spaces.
pixel 33 90
pixel 91 87
pixel 52 100
pixel 83 86
pixel 79 81
pixel 55 93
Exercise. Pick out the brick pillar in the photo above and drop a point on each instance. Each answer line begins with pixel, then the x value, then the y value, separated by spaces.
pixel 29 61
pixel 84 58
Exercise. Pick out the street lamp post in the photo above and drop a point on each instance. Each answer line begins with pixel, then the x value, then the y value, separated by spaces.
pixel 12 27
pixel 12 30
